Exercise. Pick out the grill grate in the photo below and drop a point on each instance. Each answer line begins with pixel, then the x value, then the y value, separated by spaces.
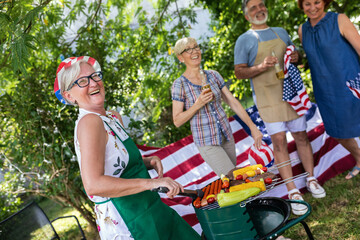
pixel 276 182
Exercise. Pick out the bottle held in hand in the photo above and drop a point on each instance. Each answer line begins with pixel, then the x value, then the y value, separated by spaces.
pixel 279 72
pixel 205 86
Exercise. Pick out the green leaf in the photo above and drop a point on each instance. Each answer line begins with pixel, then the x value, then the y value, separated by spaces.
pixel 117 172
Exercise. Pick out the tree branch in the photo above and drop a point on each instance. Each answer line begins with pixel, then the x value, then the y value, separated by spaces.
pixel 56 173
pixel 3 64
pixel 180 19
pixel 27 30
pixel 130 53
pixel 338 8
pixel 84 29
pixel 157 22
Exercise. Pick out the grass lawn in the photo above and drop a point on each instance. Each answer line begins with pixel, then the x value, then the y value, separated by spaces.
pixel 335 217
pixel 67 228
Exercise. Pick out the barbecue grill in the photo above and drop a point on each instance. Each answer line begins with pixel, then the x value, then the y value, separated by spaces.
pixel 261 218
pixel 257 217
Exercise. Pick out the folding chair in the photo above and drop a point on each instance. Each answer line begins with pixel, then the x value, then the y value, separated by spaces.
pixel 31 222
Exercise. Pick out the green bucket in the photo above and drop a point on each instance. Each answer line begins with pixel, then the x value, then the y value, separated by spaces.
pixel 227 223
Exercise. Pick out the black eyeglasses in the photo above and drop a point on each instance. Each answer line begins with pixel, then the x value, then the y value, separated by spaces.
pixel 190 50
pixel 85 81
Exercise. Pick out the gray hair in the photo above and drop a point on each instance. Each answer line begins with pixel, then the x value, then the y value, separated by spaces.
pixel 182 44
pixel 244 8
pixel 69 76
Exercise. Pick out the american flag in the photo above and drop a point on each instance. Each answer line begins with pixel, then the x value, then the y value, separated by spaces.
pixel 287 58
pixel 183 163
pixel 354 86
pixel 294 91
pixel 263 156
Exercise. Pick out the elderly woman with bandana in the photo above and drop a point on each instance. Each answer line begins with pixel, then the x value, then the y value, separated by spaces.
pixel 209 124
pixel 113 172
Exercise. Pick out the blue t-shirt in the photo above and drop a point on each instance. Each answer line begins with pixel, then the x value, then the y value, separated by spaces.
pixel 247 44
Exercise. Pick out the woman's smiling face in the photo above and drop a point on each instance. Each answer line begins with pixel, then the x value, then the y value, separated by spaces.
pixel 314 9
pixel 91 96
pixel 191 56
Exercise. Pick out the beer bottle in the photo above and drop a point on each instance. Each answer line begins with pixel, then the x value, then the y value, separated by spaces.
pixel 279 71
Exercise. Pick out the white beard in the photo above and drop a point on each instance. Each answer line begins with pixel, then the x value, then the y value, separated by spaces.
pixel 259 22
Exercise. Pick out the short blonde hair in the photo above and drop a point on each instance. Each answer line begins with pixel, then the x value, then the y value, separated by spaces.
pixel 182 44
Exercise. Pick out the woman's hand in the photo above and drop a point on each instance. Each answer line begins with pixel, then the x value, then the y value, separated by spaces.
pixel 154 162
pixel 173 186
pixel 257 136
pixel 205 97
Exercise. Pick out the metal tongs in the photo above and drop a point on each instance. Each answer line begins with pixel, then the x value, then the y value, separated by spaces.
pixel 277 181
pixel 187 193
pixel 283 164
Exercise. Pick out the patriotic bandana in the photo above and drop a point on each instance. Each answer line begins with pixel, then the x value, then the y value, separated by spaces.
pixel 294 91
pixel 65 64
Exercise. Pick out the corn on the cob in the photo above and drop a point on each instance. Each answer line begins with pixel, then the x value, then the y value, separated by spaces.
pixel 260 184
pixel 226 199
pixel 250 173
pixel 245 169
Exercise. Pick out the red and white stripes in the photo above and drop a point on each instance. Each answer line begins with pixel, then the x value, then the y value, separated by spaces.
pixel 287 58
pixel 182 162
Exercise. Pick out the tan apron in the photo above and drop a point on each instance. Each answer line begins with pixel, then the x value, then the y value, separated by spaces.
pixel 268 88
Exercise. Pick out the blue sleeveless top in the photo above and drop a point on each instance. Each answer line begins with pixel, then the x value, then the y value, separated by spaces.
pixel 332 62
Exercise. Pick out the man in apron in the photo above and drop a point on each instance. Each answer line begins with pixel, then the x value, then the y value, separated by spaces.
pixel 256 53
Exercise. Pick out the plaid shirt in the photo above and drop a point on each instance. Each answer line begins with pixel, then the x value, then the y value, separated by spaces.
pixel 210 121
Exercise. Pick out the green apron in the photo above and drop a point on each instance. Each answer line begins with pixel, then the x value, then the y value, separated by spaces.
pixel 145 215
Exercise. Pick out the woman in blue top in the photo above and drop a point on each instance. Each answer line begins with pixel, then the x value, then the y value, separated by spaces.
pixel 202 107
pixel 332 46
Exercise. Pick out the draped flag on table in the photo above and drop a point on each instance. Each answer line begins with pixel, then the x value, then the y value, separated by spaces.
pixel 294 91
pixel 354 86
pixel 183 163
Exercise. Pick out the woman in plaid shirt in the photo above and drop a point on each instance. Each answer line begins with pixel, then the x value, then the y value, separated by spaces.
pixel 209 124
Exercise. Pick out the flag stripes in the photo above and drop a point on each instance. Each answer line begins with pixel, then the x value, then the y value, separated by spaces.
pixel 183 163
